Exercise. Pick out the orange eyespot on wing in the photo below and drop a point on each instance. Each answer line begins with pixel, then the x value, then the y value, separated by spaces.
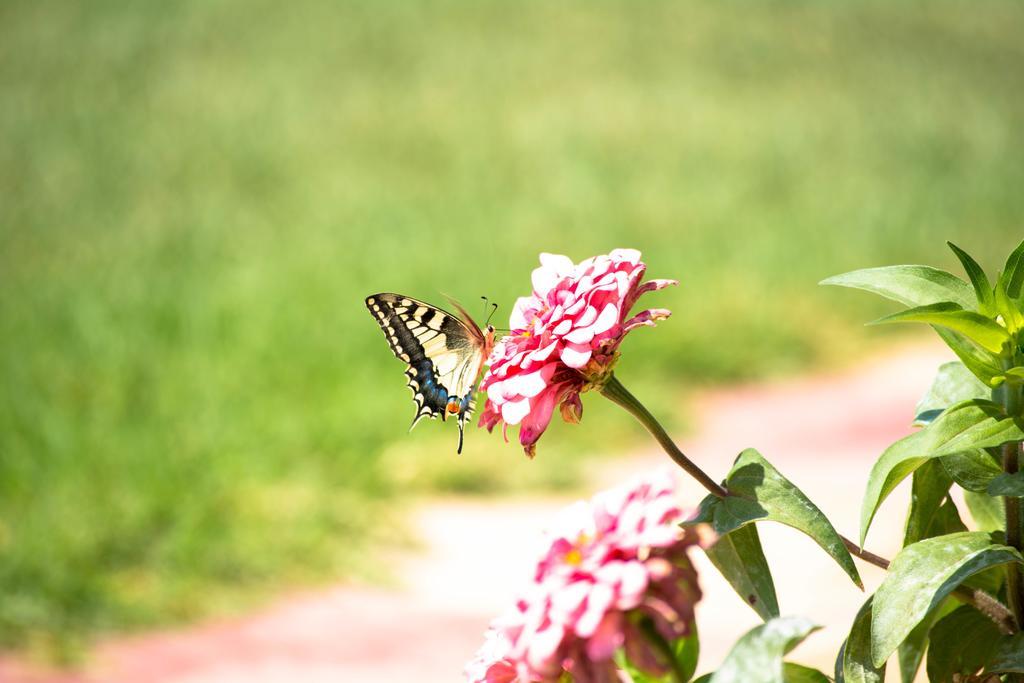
pixel 453 405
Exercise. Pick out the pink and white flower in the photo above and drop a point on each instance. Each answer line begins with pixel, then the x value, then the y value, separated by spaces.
pixel 564 339
pixel 610 562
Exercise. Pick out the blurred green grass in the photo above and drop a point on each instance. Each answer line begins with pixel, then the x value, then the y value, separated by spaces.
pixel 195 197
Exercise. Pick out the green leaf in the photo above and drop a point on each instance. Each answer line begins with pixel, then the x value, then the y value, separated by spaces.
pixel 911 650
pixel 924 520
pixel 686 651
pixel 1009 656
pixel 706 678
pixel 921 576
pixel 990 580
pixel 982 287
pixel 797 673
pixel 947 520
pixel 986 332
pixel 989 513
pixel 961 643
pixel 921 286
pixel 1008 309
pixel 984 364
pixel 973 470
pixel 953 384
pixel 1012 277
pixel 758 492
pixel 993 429
pixel 1014 375
pixel 972 424
pixel 909 285
pixel 1007 485
pixel 857 664
pixel 757 655
pixel 739 558
pixel 840 657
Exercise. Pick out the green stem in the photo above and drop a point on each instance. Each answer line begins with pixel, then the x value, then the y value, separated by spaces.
pixel 659 643
pixel 1000 615
pixel 1014 587
pixel 614 390
pixel 1010 397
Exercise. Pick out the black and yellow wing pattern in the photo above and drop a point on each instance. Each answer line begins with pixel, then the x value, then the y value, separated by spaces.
pixel 443 354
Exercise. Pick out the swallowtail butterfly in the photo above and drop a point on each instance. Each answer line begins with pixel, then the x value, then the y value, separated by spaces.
pixel 443 353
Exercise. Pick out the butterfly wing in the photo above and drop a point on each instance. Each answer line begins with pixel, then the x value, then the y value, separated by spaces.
pixel 443 354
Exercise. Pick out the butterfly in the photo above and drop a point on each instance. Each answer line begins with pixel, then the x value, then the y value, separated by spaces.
pixel 443 353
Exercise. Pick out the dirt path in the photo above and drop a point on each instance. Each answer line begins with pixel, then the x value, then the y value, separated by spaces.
pixel 822 432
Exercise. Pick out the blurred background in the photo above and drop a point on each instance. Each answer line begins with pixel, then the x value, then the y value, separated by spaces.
pixel 196 411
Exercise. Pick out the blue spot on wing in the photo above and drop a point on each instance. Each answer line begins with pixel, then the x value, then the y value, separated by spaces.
pixel 435 396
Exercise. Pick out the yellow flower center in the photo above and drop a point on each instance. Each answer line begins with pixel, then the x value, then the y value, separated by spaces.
pixel 574 556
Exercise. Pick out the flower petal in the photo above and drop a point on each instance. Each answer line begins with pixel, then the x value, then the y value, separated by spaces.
pixel 543 645
pixel 606 637
pixel 520 317
pixel 513 412
pixel 608 318
pixel 576 355
pixel 654 285
pixel 562 328
pixel 559 263
pixel 538 417
pixel 542 353
pixel 529 384
pixel 567 603
pixel 553 267
pixel 580 335
pixel 632 584
pixel 572 408
pixel 599 600
pixel 628 255
pixel 587 317
pixel 647 318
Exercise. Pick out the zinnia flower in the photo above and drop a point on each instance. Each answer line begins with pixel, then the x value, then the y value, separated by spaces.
pixel 610 563
pixel 564 339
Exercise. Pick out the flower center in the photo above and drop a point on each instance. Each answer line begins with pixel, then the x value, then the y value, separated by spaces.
pixel 574 556
pixel 532 324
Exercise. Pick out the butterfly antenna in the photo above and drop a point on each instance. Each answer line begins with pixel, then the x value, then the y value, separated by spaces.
pixel 486 302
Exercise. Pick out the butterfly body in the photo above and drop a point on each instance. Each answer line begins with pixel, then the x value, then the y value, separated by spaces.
pixel 443 353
